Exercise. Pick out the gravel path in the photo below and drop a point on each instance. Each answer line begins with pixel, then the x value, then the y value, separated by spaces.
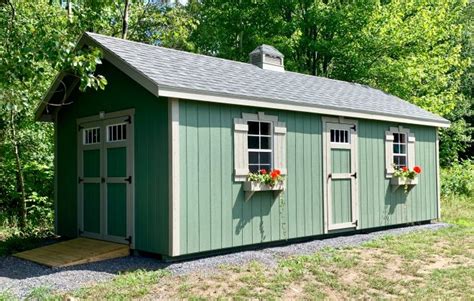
pixel 19 277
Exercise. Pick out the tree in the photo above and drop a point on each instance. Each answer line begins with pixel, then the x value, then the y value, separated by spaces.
pixel 418 50
pixel 35 45
pixel 39 41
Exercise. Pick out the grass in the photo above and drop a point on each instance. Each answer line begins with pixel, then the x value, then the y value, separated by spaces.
pixel 128 285
pixel 13 240
pixel 420 265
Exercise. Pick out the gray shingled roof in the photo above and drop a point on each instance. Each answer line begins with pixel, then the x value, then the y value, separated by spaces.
pixel 184 70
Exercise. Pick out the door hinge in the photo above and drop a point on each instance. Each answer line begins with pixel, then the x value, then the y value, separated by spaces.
pixel 129 119
pixel 129 239
pixel 354 175
pixel 102 180
pixel 330 176
pixel 356 223
pixel 354 127
pixel 79 231
pixel 129 180
pixel 79 128
pixel 80 180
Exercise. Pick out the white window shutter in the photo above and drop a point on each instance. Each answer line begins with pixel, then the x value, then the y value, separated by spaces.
pixel 389 170
pixel 241 157
pixel 411 150
pixel 279 153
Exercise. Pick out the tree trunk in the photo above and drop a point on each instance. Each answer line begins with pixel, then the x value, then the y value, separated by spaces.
pixel 69 9
pixel 19 176
pixel 125 19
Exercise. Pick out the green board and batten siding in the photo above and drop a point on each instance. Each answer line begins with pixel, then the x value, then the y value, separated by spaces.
pixel 214 214
pixel 151 157
pixel 378 205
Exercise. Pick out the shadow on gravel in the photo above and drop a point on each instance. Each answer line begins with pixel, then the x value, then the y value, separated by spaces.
pixel 19 269
pixel 14 269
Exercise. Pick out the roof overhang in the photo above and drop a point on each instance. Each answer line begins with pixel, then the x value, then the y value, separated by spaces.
pixel 184 93
pixel 42 112
pixel 45 110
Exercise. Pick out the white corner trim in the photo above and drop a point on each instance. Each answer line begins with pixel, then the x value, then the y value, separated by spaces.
pixel 174 206
pixel 270 103
pixel 438 179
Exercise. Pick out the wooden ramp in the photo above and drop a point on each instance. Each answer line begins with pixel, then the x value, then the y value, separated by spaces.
pixel 75 251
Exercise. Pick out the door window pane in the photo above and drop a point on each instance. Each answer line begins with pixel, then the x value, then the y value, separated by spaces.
pixel 117 132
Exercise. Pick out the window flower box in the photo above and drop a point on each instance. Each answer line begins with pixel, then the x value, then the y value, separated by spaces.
pixel 407 183
pixel 405 177
pixel 264 180
pixel 250 187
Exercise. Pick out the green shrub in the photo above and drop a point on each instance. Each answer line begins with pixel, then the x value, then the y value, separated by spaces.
pixel 458 179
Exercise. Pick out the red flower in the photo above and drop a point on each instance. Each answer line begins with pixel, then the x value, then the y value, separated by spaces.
pixel 277 171
pixel 263 171
pixel 417 169
pixel 405 168
pixel 274 175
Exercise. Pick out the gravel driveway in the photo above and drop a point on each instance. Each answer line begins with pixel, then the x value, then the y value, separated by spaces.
pixel 19 277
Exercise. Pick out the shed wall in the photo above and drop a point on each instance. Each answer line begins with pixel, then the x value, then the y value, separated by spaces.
pixel 379 206
pixel 214 214
pixel 151 156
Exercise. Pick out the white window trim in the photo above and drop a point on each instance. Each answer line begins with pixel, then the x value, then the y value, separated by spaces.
pixel 108 140
pixel 260 150
pixel 84 134
pixel 241 151
pixel 410 152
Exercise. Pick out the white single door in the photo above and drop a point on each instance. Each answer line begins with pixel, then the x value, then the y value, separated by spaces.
pixel 340 140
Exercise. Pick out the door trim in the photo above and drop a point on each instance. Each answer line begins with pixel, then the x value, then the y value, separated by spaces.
pixel 354 188
pixel 100 118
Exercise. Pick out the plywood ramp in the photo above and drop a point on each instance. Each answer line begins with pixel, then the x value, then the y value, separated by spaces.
pixel 75 251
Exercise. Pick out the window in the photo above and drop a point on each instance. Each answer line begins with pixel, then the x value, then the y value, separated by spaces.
pixel 91 136
pixel 399 149
pixel 117 132
pixel 259 140
pixel 339 136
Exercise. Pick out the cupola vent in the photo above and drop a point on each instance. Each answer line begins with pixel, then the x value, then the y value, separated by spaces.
pixel 267 57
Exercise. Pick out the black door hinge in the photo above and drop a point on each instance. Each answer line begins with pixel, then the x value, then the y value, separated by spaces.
pixel 330 176
pixel 79 128
pixel 354 175
pixel 129 119
pixel 102 180
pixel 80 180
pixel 129 239
pixel 354 127
pixel 356 223
pixel 129 180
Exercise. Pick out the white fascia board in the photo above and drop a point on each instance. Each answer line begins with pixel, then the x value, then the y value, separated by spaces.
pixel 269 103
pixel 124 66
pixel 47 96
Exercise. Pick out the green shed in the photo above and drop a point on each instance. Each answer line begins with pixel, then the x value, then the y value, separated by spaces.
pixel 160 159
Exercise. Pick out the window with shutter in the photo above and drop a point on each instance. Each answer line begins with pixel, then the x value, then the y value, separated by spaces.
pixel 259 143
pixel 399 149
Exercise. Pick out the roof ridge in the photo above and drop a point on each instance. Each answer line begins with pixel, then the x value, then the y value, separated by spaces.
pixel 234 61
pixel 168 49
